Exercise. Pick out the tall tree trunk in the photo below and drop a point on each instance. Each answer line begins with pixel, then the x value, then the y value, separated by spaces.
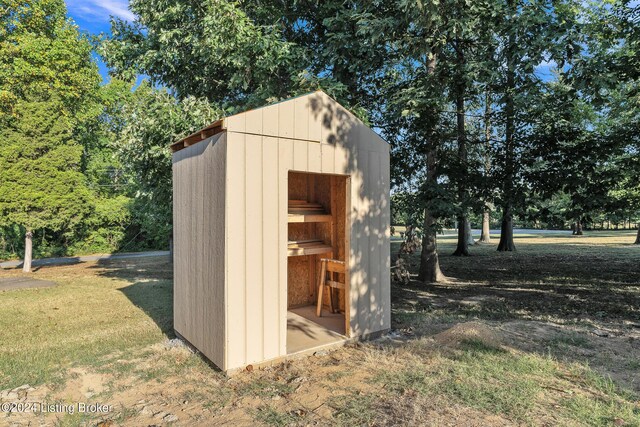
pixel 485 235
pixel 579 227
pixel 429 263
pixel 28 251
pixel 638 236
pixel 506 233
pixel 468 234
pixel 506 230
pixel 462 248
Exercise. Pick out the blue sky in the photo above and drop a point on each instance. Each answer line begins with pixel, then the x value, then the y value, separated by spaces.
pixel 93 16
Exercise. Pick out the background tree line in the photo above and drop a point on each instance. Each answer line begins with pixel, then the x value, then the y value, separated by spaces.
pixel 478 129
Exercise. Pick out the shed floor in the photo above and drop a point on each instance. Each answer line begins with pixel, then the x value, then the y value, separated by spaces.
pixel 306 331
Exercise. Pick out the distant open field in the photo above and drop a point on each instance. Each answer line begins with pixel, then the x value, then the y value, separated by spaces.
pixel 547 335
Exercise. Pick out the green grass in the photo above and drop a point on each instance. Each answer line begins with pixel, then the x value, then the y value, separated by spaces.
pixel 513 385
pixel 567 340
pixel 354 409
pixel 268 415
pixel 479 376
pixel 84 321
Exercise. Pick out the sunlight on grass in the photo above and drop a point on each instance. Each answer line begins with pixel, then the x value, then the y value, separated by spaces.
pixel 76 323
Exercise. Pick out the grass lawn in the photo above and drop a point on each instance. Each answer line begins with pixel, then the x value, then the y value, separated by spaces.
pixel 548 335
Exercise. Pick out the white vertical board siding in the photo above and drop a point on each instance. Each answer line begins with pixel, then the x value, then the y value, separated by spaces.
pixel 179 233
pixel 256 262
pixel 236 307
pixel 253 121
pixel 314 162
pixel 285 163
pixel 270 121
pixel 373 237
pixel 286 119
pixel 270 258
pixel 199 249
pixel 301 118
pixel 300 155
pixel 348 147
pixel 254 248
pixel 385 205
pixel 373 301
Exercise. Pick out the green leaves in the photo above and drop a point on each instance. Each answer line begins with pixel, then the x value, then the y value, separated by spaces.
pixel 48 85
pixel 41 53
pixel 152 120
pixel 210 49
pixel 41 184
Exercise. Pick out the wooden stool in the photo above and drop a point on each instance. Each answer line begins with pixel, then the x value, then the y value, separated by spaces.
pixel 331 266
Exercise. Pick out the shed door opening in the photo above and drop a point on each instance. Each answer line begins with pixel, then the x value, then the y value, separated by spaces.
pixel 317 229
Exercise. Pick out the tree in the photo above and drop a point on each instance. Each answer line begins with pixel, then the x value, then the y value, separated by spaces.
pixel 41 185
pixel 608 75
pixel 47 79
pixel 210 50
pixel 412 113
pixel 470 48
pixel 459 46
pixel 530 33
pixel 485 234
pixel 154 120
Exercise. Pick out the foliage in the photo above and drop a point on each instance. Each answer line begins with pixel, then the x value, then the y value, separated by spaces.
pixel 105 229
pixel 46 82
pixel 209 50
pixel 40 178
pixel 58 175
pixel 42 55
pixel 452 82
pixel 154 120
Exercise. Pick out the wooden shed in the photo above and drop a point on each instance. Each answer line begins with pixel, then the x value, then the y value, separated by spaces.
pixel 259 200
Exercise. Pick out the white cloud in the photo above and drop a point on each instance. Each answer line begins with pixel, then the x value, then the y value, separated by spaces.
pixel 100 10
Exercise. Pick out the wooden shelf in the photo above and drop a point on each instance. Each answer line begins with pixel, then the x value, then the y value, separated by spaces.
pixel 307 247
pixel 303 211
pixel 295 217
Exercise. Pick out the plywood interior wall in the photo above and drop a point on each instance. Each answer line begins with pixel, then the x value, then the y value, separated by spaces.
pixel 303 271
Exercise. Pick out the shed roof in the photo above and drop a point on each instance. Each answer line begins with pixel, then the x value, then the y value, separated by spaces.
pixel 221 124
pixel 202 134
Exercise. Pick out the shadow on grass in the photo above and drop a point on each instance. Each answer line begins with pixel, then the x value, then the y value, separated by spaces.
pixel 582 286
pixel 150 288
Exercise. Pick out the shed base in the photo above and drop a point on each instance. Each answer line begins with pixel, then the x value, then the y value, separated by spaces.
pixel 302 353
